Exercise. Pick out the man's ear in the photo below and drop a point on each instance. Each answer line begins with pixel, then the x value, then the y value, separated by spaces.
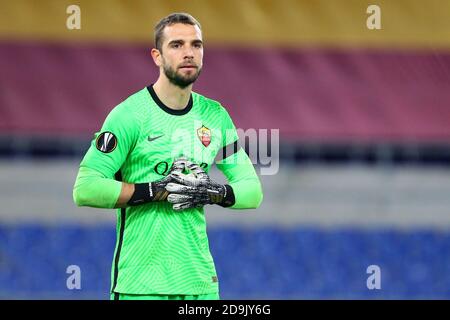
pixel 156 55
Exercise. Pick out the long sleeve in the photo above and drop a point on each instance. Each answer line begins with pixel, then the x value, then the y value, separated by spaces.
pixel 241 176
pixel 238 168
pixel 95 185
pixel 94 190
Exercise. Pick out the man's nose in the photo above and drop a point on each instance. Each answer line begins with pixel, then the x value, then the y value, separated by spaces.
pixel 188 52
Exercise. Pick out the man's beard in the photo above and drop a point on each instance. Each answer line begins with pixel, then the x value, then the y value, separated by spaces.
pixel 178 79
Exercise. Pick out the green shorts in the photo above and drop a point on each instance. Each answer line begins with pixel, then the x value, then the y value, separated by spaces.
pixel 122 296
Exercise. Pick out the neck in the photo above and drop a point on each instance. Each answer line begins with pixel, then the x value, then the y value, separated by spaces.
pixel 171 95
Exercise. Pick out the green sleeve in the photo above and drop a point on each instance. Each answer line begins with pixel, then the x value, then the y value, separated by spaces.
pixel 241 176
pixel 93 190
pixel 238 169
pixel 95 185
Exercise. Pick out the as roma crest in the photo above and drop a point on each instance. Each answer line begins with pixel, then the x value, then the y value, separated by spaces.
pixel 204 134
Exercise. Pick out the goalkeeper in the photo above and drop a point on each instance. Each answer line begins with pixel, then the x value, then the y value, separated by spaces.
pixel 134 164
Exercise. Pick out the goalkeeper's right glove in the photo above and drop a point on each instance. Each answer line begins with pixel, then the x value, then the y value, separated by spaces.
pixel 155 191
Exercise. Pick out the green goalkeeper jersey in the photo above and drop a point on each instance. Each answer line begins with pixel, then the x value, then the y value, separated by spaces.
pixel 159 250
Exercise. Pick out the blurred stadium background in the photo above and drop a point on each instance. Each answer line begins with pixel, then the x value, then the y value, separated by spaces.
pixel 364 119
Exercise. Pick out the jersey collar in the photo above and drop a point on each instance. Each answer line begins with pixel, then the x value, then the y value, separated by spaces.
pixel 166 108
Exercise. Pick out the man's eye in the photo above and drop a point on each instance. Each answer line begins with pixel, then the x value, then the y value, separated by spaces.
pixel 175 46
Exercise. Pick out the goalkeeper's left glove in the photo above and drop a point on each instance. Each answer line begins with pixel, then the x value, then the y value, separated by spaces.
pixel 197 189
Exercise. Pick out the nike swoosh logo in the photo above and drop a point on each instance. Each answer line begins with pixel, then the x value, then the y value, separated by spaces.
pixel 150 139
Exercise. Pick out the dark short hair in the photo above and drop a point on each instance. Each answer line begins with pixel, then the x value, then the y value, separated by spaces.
pixel 171 19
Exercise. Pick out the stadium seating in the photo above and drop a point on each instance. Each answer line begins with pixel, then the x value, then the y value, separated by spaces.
pixel 302 263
